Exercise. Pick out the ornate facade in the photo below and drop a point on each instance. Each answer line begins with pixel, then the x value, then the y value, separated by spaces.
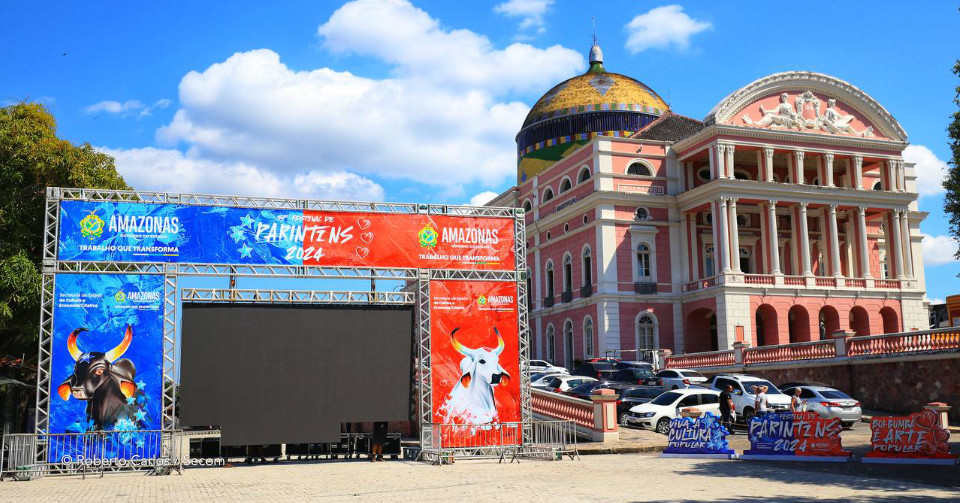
pixel 786 214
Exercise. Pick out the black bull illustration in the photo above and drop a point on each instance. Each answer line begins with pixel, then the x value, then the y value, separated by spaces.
pixel 103 380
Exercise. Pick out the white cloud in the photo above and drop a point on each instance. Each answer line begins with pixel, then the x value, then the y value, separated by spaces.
pixel 126 108
pixel 442 119
pixel 661 28
pixel 938 250
pixel 170 170
pixel 936 300
pixel 482 198
pixel 930 170
pixel 530 12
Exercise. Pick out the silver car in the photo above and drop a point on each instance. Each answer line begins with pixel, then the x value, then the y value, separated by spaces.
pixel 829 403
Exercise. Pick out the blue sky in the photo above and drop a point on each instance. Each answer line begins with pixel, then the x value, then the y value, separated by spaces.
pixel 383 99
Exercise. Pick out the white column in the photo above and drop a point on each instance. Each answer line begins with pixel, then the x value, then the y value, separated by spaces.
pixel 901 176
pixel 798 167
pixel 719 159
pixel 724 231
pixel 734 235
pixel 768 164
pixel 804 240
pixel 907 246
pixel 858 172
pixel 773 245
pixel 891 175
pixel 864 251
pixel 834 240
pixel 729 162
pixel 897 244
pixel 828 158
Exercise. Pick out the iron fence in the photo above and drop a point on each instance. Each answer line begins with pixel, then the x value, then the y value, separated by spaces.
pixel 445 443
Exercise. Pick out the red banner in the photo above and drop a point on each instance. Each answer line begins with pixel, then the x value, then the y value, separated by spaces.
pixel 405 240
pixel 817 436
pixel 917 436
pixel 475 360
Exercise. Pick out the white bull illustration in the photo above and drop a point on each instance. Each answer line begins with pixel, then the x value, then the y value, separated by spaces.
pixel 471 400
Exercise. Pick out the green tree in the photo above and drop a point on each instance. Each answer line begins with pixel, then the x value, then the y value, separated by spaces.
pixel 951 202
pixel 32 158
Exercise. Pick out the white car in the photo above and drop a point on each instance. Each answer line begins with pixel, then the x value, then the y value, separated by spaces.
pixel 829 403
pixel 563 382
pixel 680 378
pixel 541 379
pixel 657 413
pixel 744 399
pixel 545 366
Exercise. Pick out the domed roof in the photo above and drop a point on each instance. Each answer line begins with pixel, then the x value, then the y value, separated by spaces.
pixel 594 91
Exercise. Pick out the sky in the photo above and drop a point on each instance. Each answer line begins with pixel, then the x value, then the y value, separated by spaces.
pixel 420 102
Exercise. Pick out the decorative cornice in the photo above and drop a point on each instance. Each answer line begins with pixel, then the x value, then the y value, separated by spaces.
pixel 831 142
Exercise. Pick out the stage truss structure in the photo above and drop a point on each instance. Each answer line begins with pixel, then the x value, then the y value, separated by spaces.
pixel 417 292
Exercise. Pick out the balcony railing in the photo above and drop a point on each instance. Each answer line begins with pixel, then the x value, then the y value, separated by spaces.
pixel 794 280
pixel 697 360
pixel 644 287
pixel 887 283
pixel 586 291
pixel 759 279
pixel 825 281
pixel 700 284
pixel 910 342
pixel 790 352
pixel 566 296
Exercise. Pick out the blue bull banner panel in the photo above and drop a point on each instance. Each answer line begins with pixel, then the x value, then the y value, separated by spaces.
pixel 106 366
pixel 703 436
pixel 802 435
pixel 108 231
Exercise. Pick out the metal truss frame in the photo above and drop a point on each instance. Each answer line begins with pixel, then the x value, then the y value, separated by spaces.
pixel 417 291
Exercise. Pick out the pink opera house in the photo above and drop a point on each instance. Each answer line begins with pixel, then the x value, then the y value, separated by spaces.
pixel 785 215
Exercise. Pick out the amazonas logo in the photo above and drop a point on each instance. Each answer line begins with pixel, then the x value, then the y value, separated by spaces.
pixel 122 296
pixel 119 296
pixel 482 300
pixel 91 226
pixel 428 236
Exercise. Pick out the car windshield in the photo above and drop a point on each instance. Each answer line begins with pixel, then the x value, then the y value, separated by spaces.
pixel 585 387
pixel 834 394
pixel 604 366
pixel 748 385
pixel 690 373
pixel 666 398
pixel 642 372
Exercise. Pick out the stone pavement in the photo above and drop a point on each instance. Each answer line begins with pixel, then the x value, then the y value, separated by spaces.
pixel 608 478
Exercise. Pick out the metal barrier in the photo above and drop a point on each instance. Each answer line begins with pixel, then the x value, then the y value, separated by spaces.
pixel 444 443
pixel 32 455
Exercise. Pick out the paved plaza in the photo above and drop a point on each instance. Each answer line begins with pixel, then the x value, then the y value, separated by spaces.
pixel 599 478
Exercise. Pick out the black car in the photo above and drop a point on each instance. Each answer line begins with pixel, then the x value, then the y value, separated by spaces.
pixel 597 370
pixel 638 375
pixel 586 389
pixel 631 396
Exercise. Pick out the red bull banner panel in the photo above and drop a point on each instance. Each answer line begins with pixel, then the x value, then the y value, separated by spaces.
pixel 475 361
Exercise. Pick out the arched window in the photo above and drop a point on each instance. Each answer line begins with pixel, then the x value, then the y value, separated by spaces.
pixel 878 186
pixel 547 194
pixel 551 345
pixel 639 169
pixel 565 185
pixel 641 214
pixel 643 261
pixel 527 207
pixel 741 174
pixel 567 273
pixel 587 338
pixel 646 333
pixel 568 344
pixel 704 174
pixel 549 279
pixel 708 264
pixel 587 266
pixel 584 175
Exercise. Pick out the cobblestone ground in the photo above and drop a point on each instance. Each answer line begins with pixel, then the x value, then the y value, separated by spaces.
pixel 602 478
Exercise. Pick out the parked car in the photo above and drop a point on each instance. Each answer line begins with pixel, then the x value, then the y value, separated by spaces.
pixel 744 400
pixel 637 375
pixel 545 366
pixel 584 390
pixel 681 378
pixel 631 396
pixel 624 364
pixel 657 413
pixel 597 370
pixel 829 403
pixel 541 380
pixel 562 383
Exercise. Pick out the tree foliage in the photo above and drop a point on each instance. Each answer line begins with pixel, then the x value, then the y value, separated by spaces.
pixel 33 158
pixel 951 202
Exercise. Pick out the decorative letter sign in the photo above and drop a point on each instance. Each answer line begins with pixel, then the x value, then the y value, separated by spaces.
pixel 698 437
pixel 795 436
pixel 917 438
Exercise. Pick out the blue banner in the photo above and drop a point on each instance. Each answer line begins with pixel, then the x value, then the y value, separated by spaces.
pixel 106 364
pixel 145 232
pixel 702 435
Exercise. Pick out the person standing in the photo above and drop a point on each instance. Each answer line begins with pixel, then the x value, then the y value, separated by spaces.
pixel 379 438
pixel 762 406
pixel 726 406
pixel 796 404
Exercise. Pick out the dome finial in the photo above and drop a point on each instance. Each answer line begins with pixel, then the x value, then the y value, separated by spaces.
pixel 596 55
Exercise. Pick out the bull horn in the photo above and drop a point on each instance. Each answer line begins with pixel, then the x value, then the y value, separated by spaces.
pixel 465 351
pixel 499 348
pixel 121 348
pixel 72 344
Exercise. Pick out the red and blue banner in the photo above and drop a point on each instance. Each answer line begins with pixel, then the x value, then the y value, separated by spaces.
pixel 795 434
pixel 106 371
pixel 917 437
pixel 703 435
pixel 146 232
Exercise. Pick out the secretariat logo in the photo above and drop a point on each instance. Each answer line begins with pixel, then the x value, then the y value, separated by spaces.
pixel 122 296
pixel 496 300
pixel 428 236
pixel 91 226
pixel 482 300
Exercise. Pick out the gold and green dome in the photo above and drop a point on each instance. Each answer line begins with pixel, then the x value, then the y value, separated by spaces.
pixel 597 103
